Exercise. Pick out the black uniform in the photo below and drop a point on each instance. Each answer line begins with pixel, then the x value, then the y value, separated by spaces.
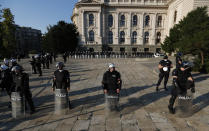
pixel 178 60
pixel 164 74
pixel 111 82
pixel 20 84
pixel 33 64
pixel 181 85
pixel 47 61
pixel 65 57
pixel 6 79
pixel 38 66
pixel 61 80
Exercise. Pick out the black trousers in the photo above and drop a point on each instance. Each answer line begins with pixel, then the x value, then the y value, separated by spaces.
pixel 28 99
pixel 161 76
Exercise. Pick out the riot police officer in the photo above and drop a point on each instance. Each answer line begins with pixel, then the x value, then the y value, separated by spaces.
pixel 33 64
pixel 6 79
pixel 65 57
pixel 47 60
pixel 38 64
pixel 164 67
pixel 182 81
pixel 20 83
pixel 178 60
pixel 112 82
pixel 61 79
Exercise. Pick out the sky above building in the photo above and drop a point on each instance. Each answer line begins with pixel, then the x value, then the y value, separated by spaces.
pixel 39 14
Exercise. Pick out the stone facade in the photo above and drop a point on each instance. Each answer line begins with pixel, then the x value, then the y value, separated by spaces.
pixel 129 25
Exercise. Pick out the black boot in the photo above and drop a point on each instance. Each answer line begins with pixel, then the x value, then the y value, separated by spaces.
pixel 157 89
pixel 171 109
pixel 166 89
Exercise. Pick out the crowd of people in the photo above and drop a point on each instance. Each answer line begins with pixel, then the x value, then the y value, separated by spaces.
pixel 14 79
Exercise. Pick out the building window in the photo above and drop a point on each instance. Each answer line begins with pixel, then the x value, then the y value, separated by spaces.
pixel 91 19
pixel 158 39
pixel 122 50
pixel 122 37
pixel 146 49
pixel 122 20
pixel 110 37
pixel 91 35
pixel 146 37
pixel 110 20
pixel 175 16
pixel 134 37
pixel 159 21
pixel 135 20
pixel 147 20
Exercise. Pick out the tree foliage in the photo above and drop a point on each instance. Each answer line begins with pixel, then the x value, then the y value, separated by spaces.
pixel 190 36
pixel 61 38
pixel 7 35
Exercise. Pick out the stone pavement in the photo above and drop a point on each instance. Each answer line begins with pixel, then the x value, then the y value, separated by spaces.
pixel 141 108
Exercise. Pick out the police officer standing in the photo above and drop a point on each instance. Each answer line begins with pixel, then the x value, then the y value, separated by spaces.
pixel 61 79
pixel 20 83
pixel 33 64
pixel 6 79
pixel 182 81
pixel 178 60
pixel 38 64
pixel 112 81
pixel 164 67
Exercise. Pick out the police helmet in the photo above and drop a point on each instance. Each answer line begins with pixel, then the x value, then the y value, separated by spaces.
pixel 187 64
pixel 165 57
pixel 4 67
pixel 6 61
pixel 60 65
pixel 13 60
pixel 16 68
pixel 179 54
pixel 37 56
pixel 111 65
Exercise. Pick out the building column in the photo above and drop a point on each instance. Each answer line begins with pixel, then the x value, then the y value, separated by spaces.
pixel 128 37
pixel 83 27
pixel 99 28
pixel 153 29
pixel 116 22
pixel 103 28
pixel 141 26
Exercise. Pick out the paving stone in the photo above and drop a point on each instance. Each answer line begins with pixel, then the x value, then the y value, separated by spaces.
pixel 81 125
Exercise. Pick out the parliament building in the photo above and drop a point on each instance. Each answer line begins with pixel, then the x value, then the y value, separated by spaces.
pixel 129 25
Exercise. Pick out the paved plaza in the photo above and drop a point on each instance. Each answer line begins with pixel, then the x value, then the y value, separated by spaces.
pixel 141 107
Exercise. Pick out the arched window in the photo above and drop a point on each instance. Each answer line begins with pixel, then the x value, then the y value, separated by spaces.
pixel 91 19
pixel 110 20
pixel 110 37
pixel 159 21
pixel 135 20
pixel 158 39
pixel 147 20
pixel 122 20
pixel 91 35
pixel 146 37
pixel 122 37
pixel 134 37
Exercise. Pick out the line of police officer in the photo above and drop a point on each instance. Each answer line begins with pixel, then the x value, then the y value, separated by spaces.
pixel 182 80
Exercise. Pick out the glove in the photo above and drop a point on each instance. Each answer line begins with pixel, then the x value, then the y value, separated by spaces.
pixel 193 90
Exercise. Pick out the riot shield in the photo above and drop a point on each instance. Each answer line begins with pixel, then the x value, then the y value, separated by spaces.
pixel 17 105
pixel 112 101
pixel 184 104
pixel 61 101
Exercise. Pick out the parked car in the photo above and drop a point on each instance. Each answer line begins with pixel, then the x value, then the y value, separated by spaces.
pixel 158 55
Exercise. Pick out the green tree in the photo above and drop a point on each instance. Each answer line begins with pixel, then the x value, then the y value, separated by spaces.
pixel 61 38
pixel 190 36
pixel 8 32
pixel 1 35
